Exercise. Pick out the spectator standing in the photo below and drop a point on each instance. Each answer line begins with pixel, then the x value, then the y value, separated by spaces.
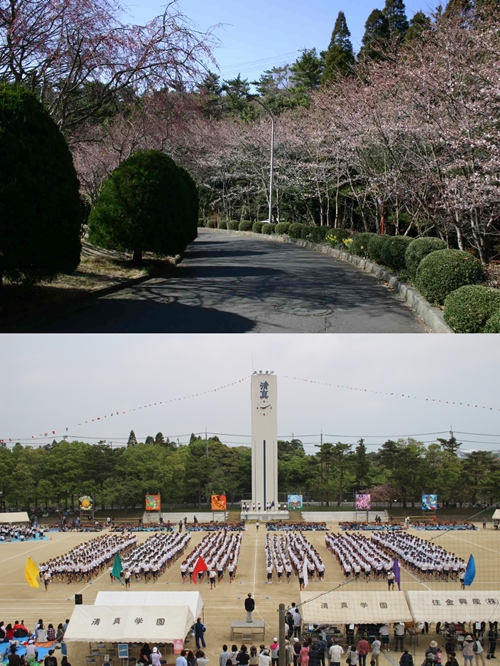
pixel 201 660
pixel 406 659
pixel 384 634
pixel 254 656
pixel 321 650
pixel 363 649
pixel 275 648
pixel 181 659
pixel 296 648
pixel 399 636
pixel 376 645
pixel 468 650
pixel 297 622
pixel 352 656
pixel 249 606
pixel 335 654
pixel 155 657
pixel 243 657
pixel 478 652
pixel 492 640
pixel 224 656
pixel 199 630
pixel 304 654
pixel 264 658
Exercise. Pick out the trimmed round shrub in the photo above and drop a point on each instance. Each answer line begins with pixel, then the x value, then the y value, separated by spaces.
pixel 318 234
pixel 394 250
pixel 282 227
pixel 41 213
pixel 245 225
pixel 443 271
pixel 267 228
pixel 233 225
pixel 467 309
pixel 493 323
pixel 148 203
pixel 221 224
pixel 359 244
pixel 375 245
pixel 341 234
pixel 257 227
pixel 295 229
pixel 306 232
pixel 420 248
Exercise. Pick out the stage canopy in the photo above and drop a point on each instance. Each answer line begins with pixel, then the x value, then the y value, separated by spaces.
pixel 496 515
pixel 454 606
pixel 128 598
pixel 341 607
pixel 129 624
pixel 14 517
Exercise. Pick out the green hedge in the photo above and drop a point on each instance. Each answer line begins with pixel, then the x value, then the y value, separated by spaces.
pixel 267 228
pixel 375 245
pixel 295 230
pixel 306 233
pixel 359 244
pixel 393 252
pixel 443 271
pixel 420 248
pixel 233 225
pixel 221 224
pixel 282 227
pixel 493 323
pixel 467 309
pixel 318 234
pixel 245 225
pixel 257 227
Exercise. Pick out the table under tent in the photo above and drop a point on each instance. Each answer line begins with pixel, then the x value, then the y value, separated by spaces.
pixel 119 623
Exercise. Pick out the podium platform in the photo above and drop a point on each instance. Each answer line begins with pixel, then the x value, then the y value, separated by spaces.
pixel 264 516
pixel 248 630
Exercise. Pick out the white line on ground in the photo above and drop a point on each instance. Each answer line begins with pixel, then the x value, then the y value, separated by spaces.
pixel 415 578
pixel 93 581
pixel 476 545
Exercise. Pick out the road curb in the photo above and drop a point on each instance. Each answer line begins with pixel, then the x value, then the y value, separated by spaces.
pixel 430 315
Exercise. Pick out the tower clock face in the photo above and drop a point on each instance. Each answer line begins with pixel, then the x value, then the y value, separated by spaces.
pixel 264 408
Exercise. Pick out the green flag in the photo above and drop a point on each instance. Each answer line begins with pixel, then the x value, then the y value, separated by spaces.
pixel 117 568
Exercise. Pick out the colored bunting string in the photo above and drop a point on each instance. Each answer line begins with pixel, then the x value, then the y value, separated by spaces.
pixel 395 394
pixel 96 419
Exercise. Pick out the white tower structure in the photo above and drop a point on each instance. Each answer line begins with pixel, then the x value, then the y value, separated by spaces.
pixel 264 400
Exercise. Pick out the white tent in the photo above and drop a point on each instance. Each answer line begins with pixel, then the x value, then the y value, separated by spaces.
pixel 496 515
pixel 129 624
pixel 14 517
pixel 341 607
pixel 128 598
pixel 454 606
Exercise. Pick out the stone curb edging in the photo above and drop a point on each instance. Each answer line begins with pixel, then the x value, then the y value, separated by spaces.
pixel 430 315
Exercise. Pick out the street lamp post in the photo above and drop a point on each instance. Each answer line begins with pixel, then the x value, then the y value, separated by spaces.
pixel 271 170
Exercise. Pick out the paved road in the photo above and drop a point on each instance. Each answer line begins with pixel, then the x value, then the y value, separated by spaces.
pixel 236 284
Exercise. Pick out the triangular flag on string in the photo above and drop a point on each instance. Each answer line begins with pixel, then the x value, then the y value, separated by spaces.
pixel 199 566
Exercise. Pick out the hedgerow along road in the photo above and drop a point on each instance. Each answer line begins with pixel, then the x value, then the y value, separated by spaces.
pixel 230 283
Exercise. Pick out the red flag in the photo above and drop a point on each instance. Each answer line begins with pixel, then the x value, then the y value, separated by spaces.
pixel 199 566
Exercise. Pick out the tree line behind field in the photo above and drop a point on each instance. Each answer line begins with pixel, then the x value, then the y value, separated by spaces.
pixel 59 473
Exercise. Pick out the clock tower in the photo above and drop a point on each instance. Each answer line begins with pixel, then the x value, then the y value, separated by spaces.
pixel 264 402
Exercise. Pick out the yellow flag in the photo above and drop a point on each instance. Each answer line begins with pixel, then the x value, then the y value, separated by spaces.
pixel 31 572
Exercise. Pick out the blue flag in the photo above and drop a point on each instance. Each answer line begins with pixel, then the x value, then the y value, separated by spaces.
pixel 397 573
pixel 470 572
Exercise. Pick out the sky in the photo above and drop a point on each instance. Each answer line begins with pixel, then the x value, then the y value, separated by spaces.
pixel 54 382
pixel 257 35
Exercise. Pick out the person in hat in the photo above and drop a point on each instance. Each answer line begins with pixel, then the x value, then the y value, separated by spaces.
pixel 31 651
pixel 155 657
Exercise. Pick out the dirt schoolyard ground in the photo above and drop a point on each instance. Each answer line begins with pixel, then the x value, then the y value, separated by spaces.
pixel 224 604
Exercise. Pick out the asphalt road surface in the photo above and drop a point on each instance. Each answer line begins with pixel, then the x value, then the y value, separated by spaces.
pixel 236 284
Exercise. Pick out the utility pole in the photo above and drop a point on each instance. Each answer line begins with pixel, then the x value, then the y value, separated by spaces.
pixel 206 443
pixel 282 650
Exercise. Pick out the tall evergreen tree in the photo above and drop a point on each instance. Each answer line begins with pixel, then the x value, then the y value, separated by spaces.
pixel 376 38
pixel 132 439
pixel 210 90
pixel 395 13
pixel 458 9
pixel 306 70
pixel 418 24
pixel 339 57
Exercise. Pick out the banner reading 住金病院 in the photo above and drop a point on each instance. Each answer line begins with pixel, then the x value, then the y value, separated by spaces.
pixel 153 502
pixel 363 502
pixel 294 502
pixel 429 502
pixel 218 502
pixel 86 503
